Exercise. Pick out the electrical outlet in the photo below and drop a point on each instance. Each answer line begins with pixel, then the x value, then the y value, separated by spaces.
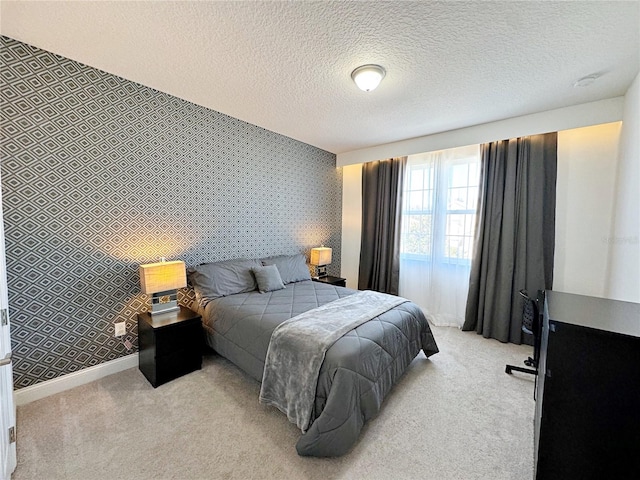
pixel 120 328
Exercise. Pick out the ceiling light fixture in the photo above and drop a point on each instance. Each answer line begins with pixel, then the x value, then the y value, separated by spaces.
pixel 368 77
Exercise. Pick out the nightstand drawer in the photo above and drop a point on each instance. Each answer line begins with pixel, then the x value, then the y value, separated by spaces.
pixel 184 336
pixel 176 364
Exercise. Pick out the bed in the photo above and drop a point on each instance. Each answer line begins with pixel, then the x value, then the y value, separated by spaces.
pixel 241 313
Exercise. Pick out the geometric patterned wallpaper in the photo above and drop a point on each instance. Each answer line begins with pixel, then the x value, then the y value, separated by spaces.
pixel 101 174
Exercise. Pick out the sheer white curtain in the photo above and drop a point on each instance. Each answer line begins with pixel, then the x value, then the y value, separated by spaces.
pixel 438 219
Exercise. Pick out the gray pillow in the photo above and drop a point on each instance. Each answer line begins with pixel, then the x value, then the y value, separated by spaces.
pixel 219 279
pixel 268 278
pixel 292 268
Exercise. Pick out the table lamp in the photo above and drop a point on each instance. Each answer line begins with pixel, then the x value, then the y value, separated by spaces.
pixel 161 280
pixel 321 257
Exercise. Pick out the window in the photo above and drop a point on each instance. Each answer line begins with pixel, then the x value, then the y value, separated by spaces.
pixel 439 210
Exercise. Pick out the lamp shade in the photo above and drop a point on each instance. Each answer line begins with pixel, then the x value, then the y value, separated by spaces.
pixel 320 256
pixel 162 276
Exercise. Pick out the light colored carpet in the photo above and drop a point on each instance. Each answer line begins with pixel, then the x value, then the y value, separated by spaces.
pixel 455 416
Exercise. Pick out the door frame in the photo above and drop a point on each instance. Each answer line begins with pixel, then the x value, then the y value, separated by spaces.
pixel 8 459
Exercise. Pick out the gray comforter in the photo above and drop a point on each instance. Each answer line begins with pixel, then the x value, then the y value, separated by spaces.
pixel 298 346
pixel 358 371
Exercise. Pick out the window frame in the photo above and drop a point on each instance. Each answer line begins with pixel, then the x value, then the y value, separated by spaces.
pixel 440 223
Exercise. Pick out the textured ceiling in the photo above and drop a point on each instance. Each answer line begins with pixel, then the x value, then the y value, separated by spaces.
pixel 286 66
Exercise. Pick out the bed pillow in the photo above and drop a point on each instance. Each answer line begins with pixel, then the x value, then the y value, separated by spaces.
pixel 292 268
pixel 268 278
pixel 219 279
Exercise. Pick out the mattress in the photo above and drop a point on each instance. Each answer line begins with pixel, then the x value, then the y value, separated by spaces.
pixel 358 371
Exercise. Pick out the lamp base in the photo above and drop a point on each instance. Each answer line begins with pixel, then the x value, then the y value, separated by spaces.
pixel 322 271
pixel 164 302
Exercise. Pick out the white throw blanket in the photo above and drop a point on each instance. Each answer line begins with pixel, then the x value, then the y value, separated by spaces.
pixel 298 346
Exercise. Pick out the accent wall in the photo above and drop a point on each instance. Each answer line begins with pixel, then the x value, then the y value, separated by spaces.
pixel 101 174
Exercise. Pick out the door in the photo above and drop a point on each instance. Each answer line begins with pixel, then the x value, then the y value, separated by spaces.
pixel 7 409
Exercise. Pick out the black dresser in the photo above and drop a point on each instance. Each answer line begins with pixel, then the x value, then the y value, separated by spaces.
pixel 587 421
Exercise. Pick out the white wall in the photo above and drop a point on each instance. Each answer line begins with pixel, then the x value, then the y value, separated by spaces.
pixel 586 114
pixel 587 159
pixel 351 223
pixel 624 242
pixel 585 190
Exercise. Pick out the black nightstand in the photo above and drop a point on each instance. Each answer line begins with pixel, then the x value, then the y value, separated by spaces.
pixel 169 344
pixel 337 281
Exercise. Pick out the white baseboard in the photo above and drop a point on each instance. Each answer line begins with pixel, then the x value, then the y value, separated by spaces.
pixel 56 385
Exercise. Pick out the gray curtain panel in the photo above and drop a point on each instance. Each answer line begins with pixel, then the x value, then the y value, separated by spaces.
pixel 515 234
pixel 381 209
